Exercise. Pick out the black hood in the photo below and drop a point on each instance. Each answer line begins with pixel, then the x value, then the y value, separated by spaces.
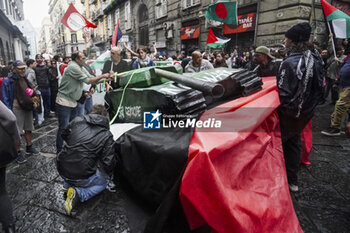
pixel 96 119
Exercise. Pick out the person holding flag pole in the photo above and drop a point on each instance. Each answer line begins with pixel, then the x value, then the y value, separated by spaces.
pixel 339 24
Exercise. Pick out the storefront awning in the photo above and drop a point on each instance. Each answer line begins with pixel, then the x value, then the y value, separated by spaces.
pixel 191 32
pixel 245 23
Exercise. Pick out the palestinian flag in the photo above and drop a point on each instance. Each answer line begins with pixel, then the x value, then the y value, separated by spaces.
pixel 339 20
pixel 223 11
pixel 232 180
pixel 98 64
pixel 214 41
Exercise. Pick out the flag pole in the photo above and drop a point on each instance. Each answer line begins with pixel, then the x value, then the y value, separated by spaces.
pixel 333 46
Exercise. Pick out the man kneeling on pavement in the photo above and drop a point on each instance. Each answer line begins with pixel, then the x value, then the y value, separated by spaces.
pixel 87 157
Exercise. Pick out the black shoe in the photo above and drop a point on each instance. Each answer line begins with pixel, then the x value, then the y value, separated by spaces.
pixel 21 158
pixel 331 131
pixel 30 150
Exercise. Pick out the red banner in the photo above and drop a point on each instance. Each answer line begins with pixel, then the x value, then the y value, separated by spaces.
pixel 343 6
pixel 191 32
pixel 245 23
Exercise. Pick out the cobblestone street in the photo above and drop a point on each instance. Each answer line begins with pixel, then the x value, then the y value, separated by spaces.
pixel 322 205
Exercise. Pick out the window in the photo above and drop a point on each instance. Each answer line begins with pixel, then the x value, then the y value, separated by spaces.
pixel 127 15
pixel 144 36
pixel 189 3
pixel 162 9
pixel 116 16
pixel 109 25
pixel 143 13
pixel 74 38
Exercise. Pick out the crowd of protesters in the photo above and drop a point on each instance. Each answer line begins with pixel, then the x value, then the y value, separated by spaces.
pixel 38 89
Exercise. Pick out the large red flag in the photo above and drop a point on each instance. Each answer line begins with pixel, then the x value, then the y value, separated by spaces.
pixel 73 20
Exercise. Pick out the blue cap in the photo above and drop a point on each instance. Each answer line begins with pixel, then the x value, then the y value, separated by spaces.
pixel 19 63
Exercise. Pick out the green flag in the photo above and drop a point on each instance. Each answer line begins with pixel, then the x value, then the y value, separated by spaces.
pixel 223 11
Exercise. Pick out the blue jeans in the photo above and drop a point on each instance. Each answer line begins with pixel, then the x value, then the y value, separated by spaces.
pixel 65 115
pixel 84 108
pixel 89 187
pixel 46 95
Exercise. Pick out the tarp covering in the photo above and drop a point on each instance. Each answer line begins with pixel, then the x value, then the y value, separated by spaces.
pixel 306 140
pixel 235 181
pixel 151 162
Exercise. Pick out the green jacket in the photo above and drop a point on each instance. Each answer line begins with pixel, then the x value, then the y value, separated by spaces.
pixel 71 86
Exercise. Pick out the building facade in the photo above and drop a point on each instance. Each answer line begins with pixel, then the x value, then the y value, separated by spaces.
pixel 64 41
pixel 13 45
pixel 178 25
pixel 45 44
pixel 30 34
pixel 13 9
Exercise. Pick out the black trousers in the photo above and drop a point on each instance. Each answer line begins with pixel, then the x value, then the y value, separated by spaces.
pixel 292 152
pixel 6 216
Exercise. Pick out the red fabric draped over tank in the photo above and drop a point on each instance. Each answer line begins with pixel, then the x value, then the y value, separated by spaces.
pixel 235 179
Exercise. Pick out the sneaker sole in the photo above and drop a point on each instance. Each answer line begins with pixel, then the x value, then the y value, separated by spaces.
pixel 21 162
pixel 69 199
pixel 330 134
pixel 27 153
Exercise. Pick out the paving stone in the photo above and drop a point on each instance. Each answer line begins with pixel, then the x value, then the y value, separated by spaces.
pixel 47 172
pixel 33 162
pixel 21 189
pixel 107 218
pixel 329 220
pixel 35 219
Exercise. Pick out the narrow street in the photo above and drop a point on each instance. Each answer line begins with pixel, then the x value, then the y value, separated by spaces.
pixel 322 204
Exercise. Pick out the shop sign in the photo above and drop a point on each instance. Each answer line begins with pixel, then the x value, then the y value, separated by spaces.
pixel 191 32
pixel 125 38
pixel 245 23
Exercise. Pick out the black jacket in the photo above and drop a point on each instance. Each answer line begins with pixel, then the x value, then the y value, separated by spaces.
pixel 53 73
pixel 344 74
pixel 269 70
pixel 120 68
pixel 88 144
pixel 42 76
pixel 288 87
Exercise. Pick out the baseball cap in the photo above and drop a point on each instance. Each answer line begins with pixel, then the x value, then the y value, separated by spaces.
pixel 264 50
pixel 19 64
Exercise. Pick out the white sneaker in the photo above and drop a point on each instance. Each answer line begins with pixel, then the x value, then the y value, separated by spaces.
pixel 293 187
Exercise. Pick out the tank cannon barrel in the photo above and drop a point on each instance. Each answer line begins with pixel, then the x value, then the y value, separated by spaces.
pixel 214 89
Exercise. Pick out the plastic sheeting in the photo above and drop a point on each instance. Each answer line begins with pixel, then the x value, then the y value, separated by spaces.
pixel 235 181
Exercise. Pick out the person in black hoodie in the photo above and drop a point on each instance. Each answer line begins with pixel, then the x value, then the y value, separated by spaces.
pixel 43 80
pixel 87 157
pixel 300 88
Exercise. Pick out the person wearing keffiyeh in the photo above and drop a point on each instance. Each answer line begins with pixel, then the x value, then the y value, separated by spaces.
pixel 143 60
pixel 300 86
